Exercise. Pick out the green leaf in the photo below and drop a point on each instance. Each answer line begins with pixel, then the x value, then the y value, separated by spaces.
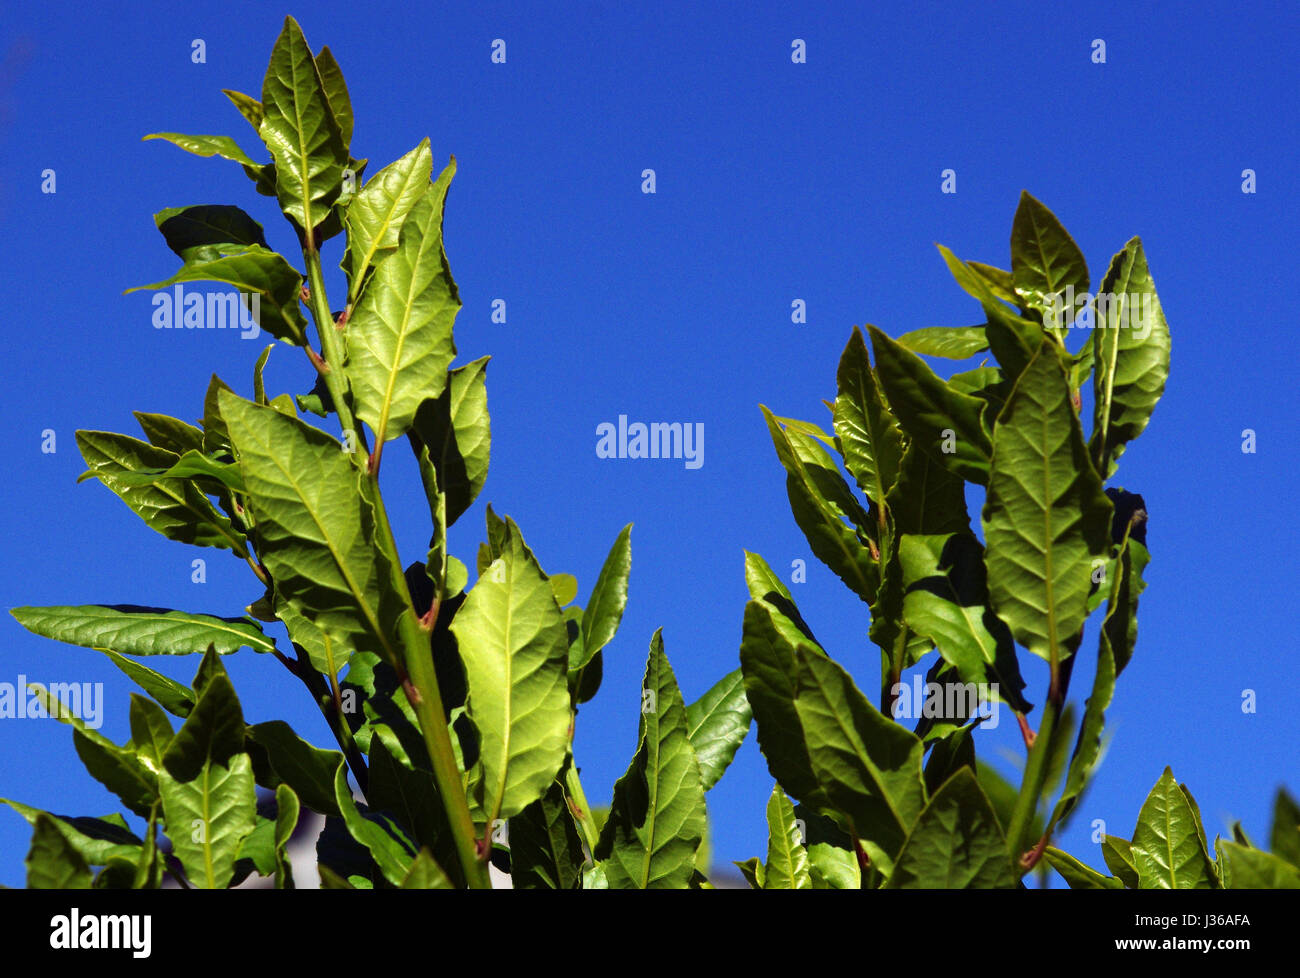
pixel 604 611
pixel 249 107
pixel 1044 261
pixel 752 870
pixel 336 92
pixel 135 630
pixel 762 581
pixel 545 848
pixel 204 470
pixel 927 498
pixel 52 861
pixel 399 788
pixel 717 724
pixel 821 502
pixel 1045 516
pixel 381 836
pixel 867 433
pixel 1251 869
pixel 375 215
pixel 216 438
pixel 787 866
pixel 1118 854
pixel 868 766
pixel 208 816
pixel 222 146
pixel 172 434
pixel 944 422
pixel 769 648
pixel 949 342
pixel 1168 849
pixel 202 232
pixel 301 132
pixel 956 842
pixel 658 820
pixel 399 338
pixel 564 587
pixel 315 530
pixel 1131 350
pixel 1284 838
pixel 452 432
pixel 1120 624
pixel 308 770
pixel 213 733
pixel 176 508
pixel 425 874
pixel 515 649
pixel 286 821
pixel 946 600
pixel 151 731
pixel 999 281
pixel 1078 875
pixel 97 840
pixel 257 273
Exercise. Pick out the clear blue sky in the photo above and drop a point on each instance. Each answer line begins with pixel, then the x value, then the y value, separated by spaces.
pixel 776 181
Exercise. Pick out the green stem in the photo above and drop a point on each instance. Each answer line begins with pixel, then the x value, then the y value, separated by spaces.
pixel 579 806
pixel 421 685
pixel 419 680
pixel 1031 788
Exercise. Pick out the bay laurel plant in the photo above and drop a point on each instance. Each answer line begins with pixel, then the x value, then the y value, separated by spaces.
pixel 452 705
pixel 884 805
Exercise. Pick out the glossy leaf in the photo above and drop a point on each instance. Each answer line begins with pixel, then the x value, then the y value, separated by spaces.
pixel 399 339
pixel 1044 261
pixel 956 842
pixel 315 533
pixel 944 422
pixel 604 611
pixel 200 233
pixel 866 430
pixel 97 840
pixel 1251 869
pixel 949 342
pixel 308 770
pixel 1131 352
pixel 946 600
pixel 256 272
pixel 1284 837
pixel 821 502
pixel 387 844
pixel 717 724
pixel 172 434
pixel 375 215
pixel 1168 850
pixel 1118 854
pixel 249 107
pixel 176 508
pixel 52 862
pixel 657 821
pixel 545 849
pixel 1045 516
pixel 787 866
pixel 452 432
pixel 425 874
pixel 135 630
pixel 301 132
pixel 222 146
pixel 1078 875
pixel 513 642
pixel 208 816
pixel 336 92
pixel 286 821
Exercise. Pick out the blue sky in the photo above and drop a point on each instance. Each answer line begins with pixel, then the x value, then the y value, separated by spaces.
pixel 775 181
